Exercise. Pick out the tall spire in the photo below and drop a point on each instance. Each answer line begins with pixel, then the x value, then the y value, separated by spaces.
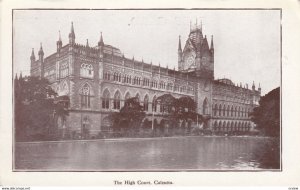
pixel 41 52
pixel 201 25
pixel 59 37
pixel 72 29
pixel 253 86
pixel 59 42
pixel 72 35
pixel 87 43
pixel 179 44
pixel 32 57
pixel 101 43
pixel 212 43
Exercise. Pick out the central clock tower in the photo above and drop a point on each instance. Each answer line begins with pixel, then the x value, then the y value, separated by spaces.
pixel 196 55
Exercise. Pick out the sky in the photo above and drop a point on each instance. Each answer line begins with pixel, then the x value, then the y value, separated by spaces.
pixel 247 42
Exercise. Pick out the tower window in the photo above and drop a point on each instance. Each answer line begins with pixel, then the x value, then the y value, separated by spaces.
pixel 86 70
pixel 85 96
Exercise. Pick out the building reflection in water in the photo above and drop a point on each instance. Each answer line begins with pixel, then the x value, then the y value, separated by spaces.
pixel 184 153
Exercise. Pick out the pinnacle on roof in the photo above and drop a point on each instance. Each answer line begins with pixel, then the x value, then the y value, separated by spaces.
pixel 179 44
pixel 59 37
pixel 212 42
pixel 72 33
pixel 32 54
pixel 101 39
pixel 41 52
pixel 87 42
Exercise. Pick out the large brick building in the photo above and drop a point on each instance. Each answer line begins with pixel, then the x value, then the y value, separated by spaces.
pixel 99 79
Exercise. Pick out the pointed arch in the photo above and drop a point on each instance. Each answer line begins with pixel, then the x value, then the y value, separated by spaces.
pixel 215 110
pixel 137 96
pixel 215 125
pixel 154 104
pixel 228 111
pixel 220 126
pixel 85 96
pixel 146 102
pixel 64 89
pixel 232 111
pixel 220 110
pixel 235 111
pixel 86 85
pixel 117 100
pixel 106 99
pixel 127 95
pixel 224 110
pixel 205 106
pixel 228 126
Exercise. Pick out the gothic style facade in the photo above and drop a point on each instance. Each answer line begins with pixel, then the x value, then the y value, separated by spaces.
pixel 99 79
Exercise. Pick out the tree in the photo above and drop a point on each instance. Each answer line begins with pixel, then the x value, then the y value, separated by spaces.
pixel 130 115
pixel 35 107
pixel 267 114
pixel 179 109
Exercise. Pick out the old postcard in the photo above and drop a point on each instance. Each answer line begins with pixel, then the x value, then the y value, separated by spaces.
pixel 118 93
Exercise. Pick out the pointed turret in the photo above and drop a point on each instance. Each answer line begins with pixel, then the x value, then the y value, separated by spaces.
pixel 253 86
pixel 101 43
pixel 205 44
pixel 179 44
pixel 59 42
pixel 72 35
pixel 21 76
pixel 101 46
pixel 32 57
pixel 212 43
pixel 259 88
pixel 41 53
pixel 87 43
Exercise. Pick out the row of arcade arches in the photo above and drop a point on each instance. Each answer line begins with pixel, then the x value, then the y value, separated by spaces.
pixel 231 126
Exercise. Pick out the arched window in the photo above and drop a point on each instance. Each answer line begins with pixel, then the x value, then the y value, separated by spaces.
pixel 105 99
pixel 120 77
pixel 170 86
pixel 86 70
pixel 205 106
pixel 231 111
pixel 138 97
pixel 239 111
pixel 220 110
pixel 117 100
pixel 127 96
pixel 228 126
pixel 215 125
pixel 85 96
pixel 235 112
pixel 107 76
pixel 228 111
pixel 154 105
pixel 224 126
pixel 215 110
pixel 146 101
pixel 224 110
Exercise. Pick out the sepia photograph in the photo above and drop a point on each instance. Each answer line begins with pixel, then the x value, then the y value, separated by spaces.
pixel 147 90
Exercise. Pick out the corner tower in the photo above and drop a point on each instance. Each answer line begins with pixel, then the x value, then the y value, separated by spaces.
pixel 197 56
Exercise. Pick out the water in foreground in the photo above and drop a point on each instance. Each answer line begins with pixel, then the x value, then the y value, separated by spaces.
pixel 178 153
